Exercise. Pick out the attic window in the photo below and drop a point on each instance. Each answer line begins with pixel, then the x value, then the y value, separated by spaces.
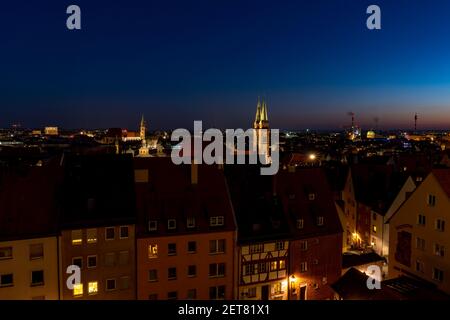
pixel 216 221
pixel 320 221
pixel 311 196
pixel 152 225
pixel 190 222
pixel 419 179
pixel 300 223
pixel 171 224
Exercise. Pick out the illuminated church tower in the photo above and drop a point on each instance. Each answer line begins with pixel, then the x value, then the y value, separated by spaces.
pixel 143 129
pixel 262 122
pixel 143 150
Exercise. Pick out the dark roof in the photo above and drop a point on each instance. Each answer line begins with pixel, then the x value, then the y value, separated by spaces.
pixel 353 260
pixel 259 213
pixel 443 177
pixel 98 190
pixel 353 286
pixel 170 194
pixel 295 189
pixel 28 201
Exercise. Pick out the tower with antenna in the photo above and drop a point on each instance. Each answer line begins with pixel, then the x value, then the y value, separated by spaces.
pixel 415 122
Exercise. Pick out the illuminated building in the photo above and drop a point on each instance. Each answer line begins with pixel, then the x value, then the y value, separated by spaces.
pixel 51 131
pixel 419 233
pixel 186 231
pixel 28 234
pixel 97 227
pixel 261 124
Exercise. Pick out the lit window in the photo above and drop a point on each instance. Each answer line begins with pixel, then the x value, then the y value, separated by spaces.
pixel 311 196
pixel 91 236
pixel 273 266
pixel 152 225
pixel 251 293
pixel 256 248
pixel 78 290
pixel 93 287
pixel 171 224
pixel 77 237
pixel 153 251
pixel 190 222
pixel 110 233
pixel 374 229
pixel 124 232
pixel 282 264
pixel 300 223
pixel 277 288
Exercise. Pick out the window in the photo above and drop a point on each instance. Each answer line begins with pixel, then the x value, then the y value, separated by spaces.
pixel 216 270
pixel 153 296
pixel 124 283
pixel 172 295
pixel 273 266
pixel 6 280
pixel 92 287
pixel 91 235
pixel 152 225
pixel 438 275
pixel 192 271
pixel 110 259
pixel 249 269
pixel 300 223
pixel 172 273
pixel 36 251
pixel 110 233
pixel 190 223
pixel 304 245
pixel 440 225
pixel 374 229
pixel 251 293
pixel 123 232
pixel 431 200
pixel 92 261
pixel 420 244
pixel 262 267
pixel 217 292
pixel 277 288
pixel 192 247
pixel 282 264
pixel 311 196
pixel 279 245
pixel 110 284
pixel 216 221
pixel 77 237
pixel 217 246
pixel 171 224
pixel 153 275
pixel 172 249
pixel 256 248
pixel 192 294
pixel 320 221
pixel 78 290
pixel 421 220
pixel 78 261
pixel 37 278
pixel 124 257
pixel 438 250
pixel 419 266
pixel 303 266
pixel 153 251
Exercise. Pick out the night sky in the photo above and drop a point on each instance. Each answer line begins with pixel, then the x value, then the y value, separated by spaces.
pixel 179 61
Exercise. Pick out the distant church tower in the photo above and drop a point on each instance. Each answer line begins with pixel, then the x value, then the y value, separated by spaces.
pixel 143 150
pixel 262 122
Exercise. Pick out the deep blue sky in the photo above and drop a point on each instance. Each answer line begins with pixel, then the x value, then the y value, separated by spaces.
pixel 179 61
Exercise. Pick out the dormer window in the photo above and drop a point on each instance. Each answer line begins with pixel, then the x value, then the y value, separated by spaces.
pixel 171 224
pixel 311 196
pixel 320 221
pixel 216 221
pixel 152 225
pixel 190 223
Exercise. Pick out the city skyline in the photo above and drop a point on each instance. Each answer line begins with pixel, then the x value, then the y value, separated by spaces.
pixel 178 62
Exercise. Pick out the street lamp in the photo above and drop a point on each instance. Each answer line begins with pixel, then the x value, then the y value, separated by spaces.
pixel 292 289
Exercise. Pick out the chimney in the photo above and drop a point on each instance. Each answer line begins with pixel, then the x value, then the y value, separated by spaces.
pixel 194 173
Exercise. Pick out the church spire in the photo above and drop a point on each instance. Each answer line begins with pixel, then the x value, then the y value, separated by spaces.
pixel 258 114
pixel 142 129
pixel 264 111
